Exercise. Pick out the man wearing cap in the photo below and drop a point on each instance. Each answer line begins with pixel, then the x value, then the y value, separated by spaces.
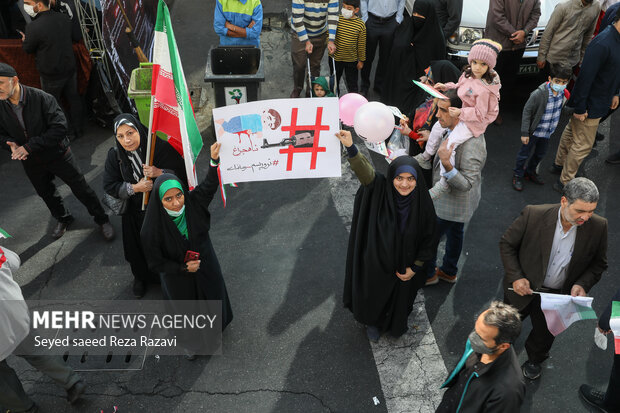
pixel 34 129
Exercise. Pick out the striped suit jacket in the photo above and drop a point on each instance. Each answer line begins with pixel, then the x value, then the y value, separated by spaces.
pixel 460 203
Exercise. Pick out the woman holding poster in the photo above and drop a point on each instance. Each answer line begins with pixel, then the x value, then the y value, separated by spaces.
pixel 392 235
pixel 176 240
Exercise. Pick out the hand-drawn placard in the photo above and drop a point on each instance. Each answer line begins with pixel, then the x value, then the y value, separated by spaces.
pixel 278 139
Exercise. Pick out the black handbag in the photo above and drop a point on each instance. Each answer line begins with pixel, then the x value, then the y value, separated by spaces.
pixel 113 205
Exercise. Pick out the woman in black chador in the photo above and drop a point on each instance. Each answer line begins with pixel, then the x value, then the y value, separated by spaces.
pixel 392 235
pixel 178 221
pixel 126 176
pixel 418 41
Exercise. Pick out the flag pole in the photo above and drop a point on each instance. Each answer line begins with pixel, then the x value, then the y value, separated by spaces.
pixel 150 146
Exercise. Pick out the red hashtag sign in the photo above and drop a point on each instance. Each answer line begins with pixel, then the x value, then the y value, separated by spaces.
pixel 294 128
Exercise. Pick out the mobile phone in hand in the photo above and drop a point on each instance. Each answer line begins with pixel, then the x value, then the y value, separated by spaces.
pixel 191 256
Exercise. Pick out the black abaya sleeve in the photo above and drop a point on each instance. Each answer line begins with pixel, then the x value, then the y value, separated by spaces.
pixel 157 261
pixel 428 236
pixel 203 194
pixel 112 177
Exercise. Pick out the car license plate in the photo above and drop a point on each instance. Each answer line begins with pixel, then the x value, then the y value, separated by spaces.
pixel 528 69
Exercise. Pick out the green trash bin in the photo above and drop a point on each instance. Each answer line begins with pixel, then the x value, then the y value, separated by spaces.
pixel 140 90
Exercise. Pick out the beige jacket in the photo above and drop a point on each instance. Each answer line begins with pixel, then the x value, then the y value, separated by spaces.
pixel 568 32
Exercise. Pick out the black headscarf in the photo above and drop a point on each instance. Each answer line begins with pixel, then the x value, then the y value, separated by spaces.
pixel 403 202
pixel 165 156
pixel 136 158
pixel 417 42
pixel 378 248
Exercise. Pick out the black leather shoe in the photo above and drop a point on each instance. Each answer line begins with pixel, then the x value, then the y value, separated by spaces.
pixel 61 228
pixel 107 230
pixel 139 288
pixel 74 393
pixel 517 183
pixel 531 370
pixel 555 169
pixel 559 187
pixel 593 397
pixel 534 178
pixel 599 136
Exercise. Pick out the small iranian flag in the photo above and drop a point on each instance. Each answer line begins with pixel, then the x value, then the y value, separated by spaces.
pixel 4 234
pixel 430 90
pixel 614 323
pixel 171 108
pixel 563 310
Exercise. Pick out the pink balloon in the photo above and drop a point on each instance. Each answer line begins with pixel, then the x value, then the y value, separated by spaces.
pixel 349 104
pixel 374 122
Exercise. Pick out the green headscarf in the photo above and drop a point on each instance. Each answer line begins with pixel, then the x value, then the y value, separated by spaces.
pixel 179 220
pixel 322 81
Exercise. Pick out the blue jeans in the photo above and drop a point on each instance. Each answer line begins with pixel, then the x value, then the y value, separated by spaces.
pixel 454 244
pixel 540 146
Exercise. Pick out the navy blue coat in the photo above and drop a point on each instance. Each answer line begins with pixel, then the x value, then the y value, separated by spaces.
pixel 599 77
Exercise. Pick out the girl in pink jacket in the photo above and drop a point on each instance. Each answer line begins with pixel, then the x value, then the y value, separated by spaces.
pixel 478 87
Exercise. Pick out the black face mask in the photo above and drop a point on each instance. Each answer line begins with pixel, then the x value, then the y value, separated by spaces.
pixel 478 345
pixel 418 23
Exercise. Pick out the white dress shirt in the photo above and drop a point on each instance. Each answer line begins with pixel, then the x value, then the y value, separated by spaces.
pixel 561 254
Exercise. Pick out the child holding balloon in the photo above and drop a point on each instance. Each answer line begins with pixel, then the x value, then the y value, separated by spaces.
pixel 478 87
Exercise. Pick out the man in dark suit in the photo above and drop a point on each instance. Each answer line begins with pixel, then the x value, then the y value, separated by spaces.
pixel 558 249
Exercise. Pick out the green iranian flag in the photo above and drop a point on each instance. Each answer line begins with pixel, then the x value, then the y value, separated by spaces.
pixel 171 108
pixel 4 234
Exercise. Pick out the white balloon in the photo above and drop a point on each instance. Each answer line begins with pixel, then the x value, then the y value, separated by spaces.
pixel 374 122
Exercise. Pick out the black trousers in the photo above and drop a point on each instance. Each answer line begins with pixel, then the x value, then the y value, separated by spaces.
pixel 540 340
pixel 377 33
pixel 508 66
pixel 42 175
pixel 13 396
pixel 67 88
pixel 612 397
pixel 350 74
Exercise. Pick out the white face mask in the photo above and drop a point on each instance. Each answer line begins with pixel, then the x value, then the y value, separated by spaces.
pixel 30 10
pixel 175 214
pixel 347 14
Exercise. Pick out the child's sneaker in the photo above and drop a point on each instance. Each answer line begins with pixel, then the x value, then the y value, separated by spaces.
pixel 517 183
pixel 424 163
